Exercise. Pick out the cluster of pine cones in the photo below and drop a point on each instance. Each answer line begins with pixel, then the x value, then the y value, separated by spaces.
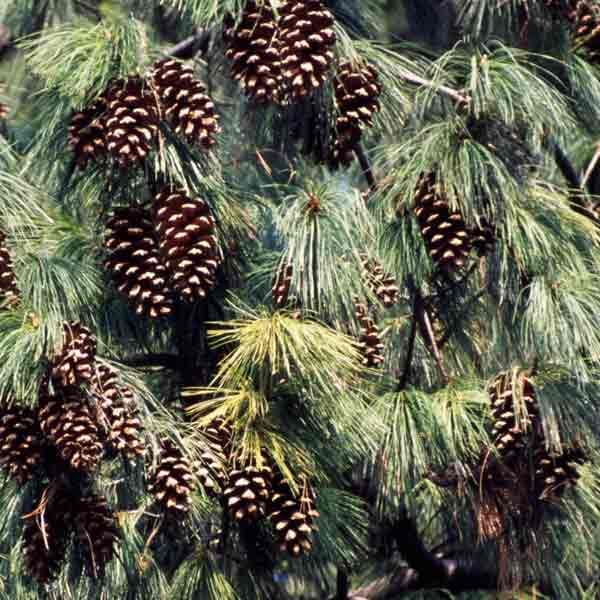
pixel 123 123
pixel 82 413
pixel 248 491
pixel 168 252
pixel 285 59
pixel 522 470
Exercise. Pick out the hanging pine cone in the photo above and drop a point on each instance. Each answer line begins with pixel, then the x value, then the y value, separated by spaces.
pixel 556 472
pixel 186 232
pixel 281 286
pixel 369 342
pixel 357 91
pixel 97 533
pixel 87 133
pixel 74 365
pixel 253 49
pixel 20 443
pixel 513 420
pixel 444 231
pixel 586 28
pixel 379 282
pixel 3 111
pixel 172 482
pixel 8 281
pixel 135 262
pixel 306 38
pixel 131 121
pixel 122 425
pixel 292 518
pixel 46 535
pixel 189 110
pixel 69 423
pixel 247 492
pixel 214 457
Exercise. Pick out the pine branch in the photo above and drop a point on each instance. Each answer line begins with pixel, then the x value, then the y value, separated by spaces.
pixel 424 570
pixel 147 361
pixel 190 46
pixel 411 347
pixel 564 164
pixel 442 89
pixel 422 316
pixel 591 167
pixel 366 167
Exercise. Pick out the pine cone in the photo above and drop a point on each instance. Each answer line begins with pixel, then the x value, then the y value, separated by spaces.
pixel 122 426
pixel 586 28
pixel 555 473
pixel 8 281
pixel 247 492
pixel 172 482
pixel 211 473
pixel 131 121
pixel 3 111
pixel 46 535
pixel 87 133
pixel 20 443
pixel 135 262
pixel 186 231
pixel 306 38
pixel 512 423
pixel 253 49
pixel 74 365
pixel 97 533
pixel 380 283
pixel 444 231
pixel 369 341
pixel 357 92
pixel 292 517
pixel 189 110
pixel 281 286
pixel 68 423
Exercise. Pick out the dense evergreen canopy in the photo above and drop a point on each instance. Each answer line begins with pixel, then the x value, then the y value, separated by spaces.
pixel 300 299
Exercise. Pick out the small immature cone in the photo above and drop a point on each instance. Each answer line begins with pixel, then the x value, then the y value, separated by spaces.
pixel 186 233
pixel 253 49
pixel 511 428
pixel 370 340
pixel 184 102
pixel 8 281
pixel 131 121
pixel 97 533
pixel 74 365
pixel 119 420
pixel 134 261
pixel 87 133
pixel 306 41
pixel 379 282
pixel 214 457
pixel 20 443
pixel 172 482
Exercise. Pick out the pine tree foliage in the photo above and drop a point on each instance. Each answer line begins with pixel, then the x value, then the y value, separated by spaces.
pixel 293 309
